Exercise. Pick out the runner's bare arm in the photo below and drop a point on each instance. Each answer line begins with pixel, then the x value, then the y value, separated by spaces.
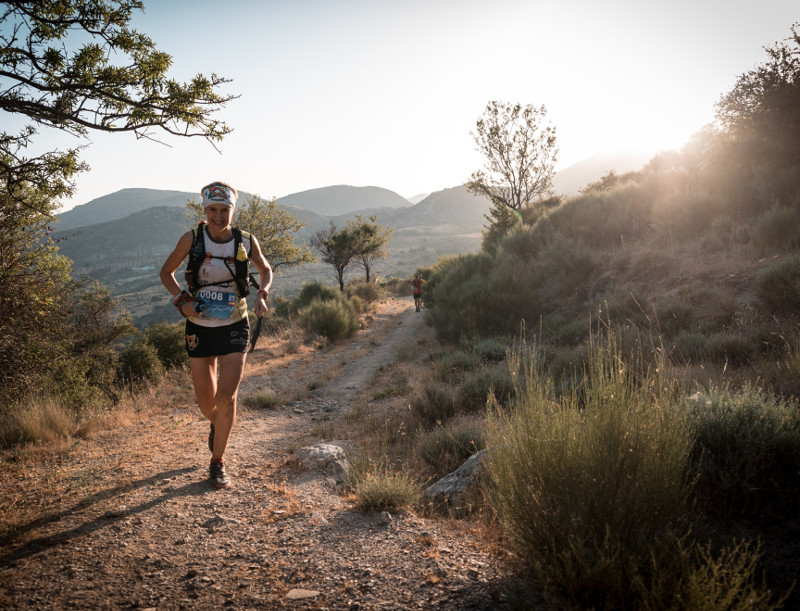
pixel 265 275
pixel 171 265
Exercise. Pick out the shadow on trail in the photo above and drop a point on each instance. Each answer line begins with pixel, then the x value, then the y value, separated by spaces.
pixel 109 518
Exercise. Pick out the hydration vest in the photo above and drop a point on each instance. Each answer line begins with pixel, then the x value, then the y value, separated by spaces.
pixel 198 254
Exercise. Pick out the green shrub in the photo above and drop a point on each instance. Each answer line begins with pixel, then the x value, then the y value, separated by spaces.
pixel 690 347
pixel 368 292
pixel 475 296
pixel 385 490
pixel 568 333
pixel 779 285
pixel 520 243
pixel 312 291
pixel 445 449
pixel 139 362
pixel 589 485
pixel 169 340
pixel 489 349
pixel 693 577
pixel 715 307
pixel 452 366
pixel 437 403
pixel 780 369
pixel 577 265
pixel 675 314
pixel 281 307
pixel 75 386
pixel 473 393
pixel 334 319
pixel 629 308
pixel 747 450
pixel 777 229
pixel 605 220
pixel 686 213
pixel 401 286
pixel 261 399
pixel 357 303
pixel 730 348
pixel 567 365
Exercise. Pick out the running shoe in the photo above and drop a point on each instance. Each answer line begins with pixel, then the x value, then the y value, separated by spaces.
pixel 211 439
pixel 218 478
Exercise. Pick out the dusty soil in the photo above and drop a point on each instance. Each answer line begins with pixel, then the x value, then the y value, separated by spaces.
pixel 124 517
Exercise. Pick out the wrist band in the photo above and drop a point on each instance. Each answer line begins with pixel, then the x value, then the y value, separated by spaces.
pixel 263 292
pixel 180 300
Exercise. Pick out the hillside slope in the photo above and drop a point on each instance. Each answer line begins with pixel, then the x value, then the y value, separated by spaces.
pixel 572 179
pixel 344 199
pixel 120 204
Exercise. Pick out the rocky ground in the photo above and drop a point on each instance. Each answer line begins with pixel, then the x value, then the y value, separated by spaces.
pixel 124 518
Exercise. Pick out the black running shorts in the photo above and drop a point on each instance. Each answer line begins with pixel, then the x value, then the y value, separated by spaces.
pixel 203 342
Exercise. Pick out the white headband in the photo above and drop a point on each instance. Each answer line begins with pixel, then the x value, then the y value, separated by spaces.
pixel 219 194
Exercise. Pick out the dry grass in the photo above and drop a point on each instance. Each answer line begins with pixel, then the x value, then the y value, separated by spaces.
pixel 282 504
pixel 71 482
pixel 37 420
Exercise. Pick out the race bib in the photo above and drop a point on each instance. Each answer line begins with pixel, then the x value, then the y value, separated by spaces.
pixel 217 304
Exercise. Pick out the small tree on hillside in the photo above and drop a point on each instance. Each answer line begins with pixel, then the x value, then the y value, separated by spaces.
pixel 520 154
pixel 337 248
pixel 501 220
pixel 373 242
pixel 273 227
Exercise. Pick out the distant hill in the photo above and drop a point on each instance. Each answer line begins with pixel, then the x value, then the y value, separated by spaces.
pixel 119 205
pixel 308 206
pixel 344 199
pixel 415 199
pixel 146 233
pixel 454 206
pixel 123 203
pixel 341 202
pixel 571 180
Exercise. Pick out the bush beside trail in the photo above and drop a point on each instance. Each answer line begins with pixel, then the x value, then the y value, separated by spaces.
pixel 597 486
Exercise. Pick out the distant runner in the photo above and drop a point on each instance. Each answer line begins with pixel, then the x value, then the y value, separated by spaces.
pixel 416 290
pixel 215 306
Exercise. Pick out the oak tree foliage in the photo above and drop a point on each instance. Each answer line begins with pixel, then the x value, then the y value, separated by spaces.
pixel 761 113
pixel 361 242
pixel 78 67
pixel 74 67
pixel 373 242
pixel 338 248
pixel 519 150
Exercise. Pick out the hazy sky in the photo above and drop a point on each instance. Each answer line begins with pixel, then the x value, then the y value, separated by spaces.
pixel 386 92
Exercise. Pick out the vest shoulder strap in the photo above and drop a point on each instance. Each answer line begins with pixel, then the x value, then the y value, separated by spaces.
pixel 197 254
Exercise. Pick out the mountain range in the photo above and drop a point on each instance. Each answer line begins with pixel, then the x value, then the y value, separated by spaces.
pixel 122 238
pixel 338 200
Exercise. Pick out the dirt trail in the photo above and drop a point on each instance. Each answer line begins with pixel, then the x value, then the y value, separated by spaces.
pixel 125 519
